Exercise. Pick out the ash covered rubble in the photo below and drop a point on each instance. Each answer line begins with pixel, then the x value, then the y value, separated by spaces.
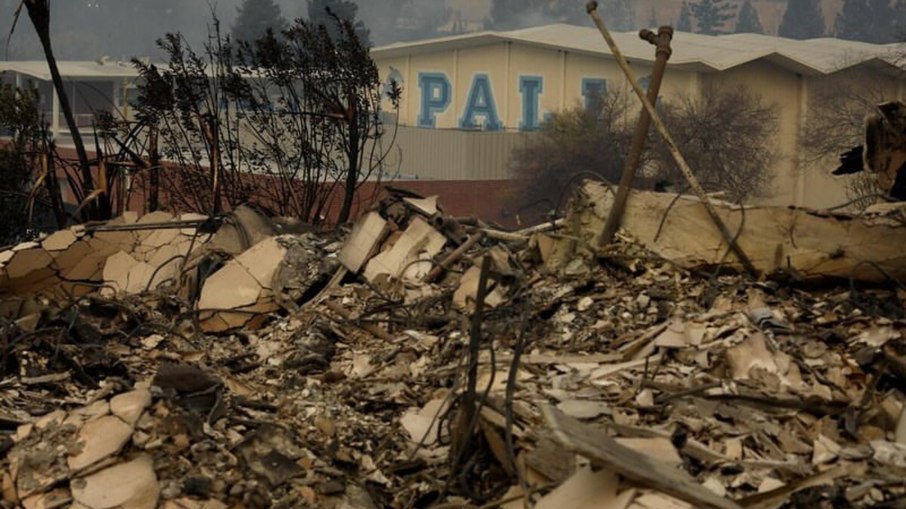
pixel 422 360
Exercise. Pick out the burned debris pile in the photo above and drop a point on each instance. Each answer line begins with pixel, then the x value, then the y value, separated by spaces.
pixel 422 360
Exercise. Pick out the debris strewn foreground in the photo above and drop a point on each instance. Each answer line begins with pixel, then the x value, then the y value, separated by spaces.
pixel 426 361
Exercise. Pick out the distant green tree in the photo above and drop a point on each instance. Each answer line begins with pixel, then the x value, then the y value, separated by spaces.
pixel 621 14
pixel 711 15
pixel 876 21
pixel 504 13
pixel 420 19
pixel 853 21
pixel 748 21
pixel 20 124
pixel 900 9
pixel 802 20
pixel 255 17
pixel 684 22
pixel 510 14
pixel 321 12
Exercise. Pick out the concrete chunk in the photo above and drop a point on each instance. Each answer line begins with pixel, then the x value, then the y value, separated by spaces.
pixel 59 241
pixel 100 439
pixel 131 485
pixel 26 261
pixel 263 260
pixel 419 242
pixel 130 405
pixel 363 241
pixel 116 270
pixel 231 287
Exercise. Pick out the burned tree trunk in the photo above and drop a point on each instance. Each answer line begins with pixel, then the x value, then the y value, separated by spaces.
pixel 39 13
pixel 154 170
pixel 354 157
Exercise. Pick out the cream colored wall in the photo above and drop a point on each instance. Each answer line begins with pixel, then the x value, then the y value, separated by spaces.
pixel 440 63
pixel 563 73
pixel 505 63
pixel 780 87
pixel 532 61
pixel 487 60
pixel 402 65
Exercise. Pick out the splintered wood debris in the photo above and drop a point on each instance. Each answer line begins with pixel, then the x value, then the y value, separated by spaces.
pixel 420 360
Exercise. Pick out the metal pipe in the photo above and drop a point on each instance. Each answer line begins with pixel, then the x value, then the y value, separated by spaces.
pixel 592 9
pixel 662 41
pixel 169 225
pixel 452 258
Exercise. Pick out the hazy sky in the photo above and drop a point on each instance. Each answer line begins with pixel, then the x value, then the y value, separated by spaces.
pixel 120 29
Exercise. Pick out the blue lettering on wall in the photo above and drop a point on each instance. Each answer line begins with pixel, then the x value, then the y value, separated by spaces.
pixel 435 89
pixel 594 90
pixel 480 103
pixel 531 88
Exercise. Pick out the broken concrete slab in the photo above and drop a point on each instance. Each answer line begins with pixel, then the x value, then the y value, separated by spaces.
pixel 117 240
pixel 467 292
pixel 6 256
pixel 806 244
pixel 232 296
pixel 58 241
pixel 129 485
pixel 426 206
pixel 87 413
pixel 34 281
pixel 601 448
pixel 78 262
pixel 262 261
pixel 244 229
pixel 257 281
pixel 636 347
pixel 130 405
pixel 99 439
pixel 363 241
pixel 26 261
pixel 753 355
pixel 58 497
pixel 583 490
pixel 71 262
pixel 160 216
pixel 410 256
pixel 123 273
pixel 659 448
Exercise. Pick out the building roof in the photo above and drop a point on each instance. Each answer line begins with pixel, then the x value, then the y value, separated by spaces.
pixel 71 69
pixel 694 52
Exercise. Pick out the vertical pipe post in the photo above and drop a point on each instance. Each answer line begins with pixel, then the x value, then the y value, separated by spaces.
pixel 662 41
pixel 592 9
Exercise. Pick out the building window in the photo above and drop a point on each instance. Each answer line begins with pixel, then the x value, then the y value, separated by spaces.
pixel 594 90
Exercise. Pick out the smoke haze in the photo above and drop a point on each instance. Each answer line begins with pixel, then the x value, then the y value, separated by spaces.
pixel 121 29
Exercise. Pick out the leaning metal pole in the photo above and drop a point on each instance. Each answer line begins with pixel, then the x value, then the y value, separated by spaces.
pixel 662 41
pixel 592 9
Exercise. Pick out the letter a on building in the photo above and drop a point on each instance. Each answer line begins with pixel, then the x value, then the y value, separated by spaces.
pixel 481 103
